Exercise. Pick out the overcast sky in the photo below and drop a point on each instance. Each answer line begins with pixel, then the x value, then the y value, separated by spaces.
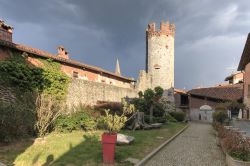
pixel 210 34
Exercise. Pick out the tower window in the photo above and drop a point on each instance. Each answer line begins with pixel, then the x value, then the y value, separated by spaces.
pixel 156 66
pixel 166 46
pixel 75 74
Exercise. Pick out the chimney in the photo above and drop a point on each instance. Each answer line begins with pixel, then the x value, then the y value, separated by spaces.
pixel 62 52
pixel 5 31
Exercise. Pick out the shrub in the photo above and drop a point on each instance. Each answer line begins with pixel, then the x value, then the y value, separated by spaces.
pixel 159 120
pixel 167 105
pixel 75 121
pixel 219 116
pixel 169 118
pixel 88 123
pixel 17 119
pixel 179 116
pixel 148 102
pixel 165 118
pixel 114 122
pixel 47 111
pixel 140 104
pixel 65 123
pixel 155 119
pixel 235 144
pixel 158 110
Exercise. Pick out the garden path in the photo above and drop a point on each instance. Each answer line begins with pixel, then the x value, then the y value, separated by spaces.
pixel 196 146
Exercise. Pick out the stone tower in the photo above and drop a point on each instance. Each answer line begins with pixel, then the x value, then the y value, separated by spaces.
pixel 159 58
pixel 160 55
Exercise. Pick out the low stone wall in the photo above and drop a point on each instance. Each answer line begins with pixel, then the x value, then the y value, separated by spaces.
pixel 231 162
pixel 88 93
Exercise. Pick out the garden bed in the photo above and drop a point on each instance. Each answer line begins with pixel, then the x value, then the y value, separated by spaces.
pixel 231 141
pixel 78 148
pixel 232 162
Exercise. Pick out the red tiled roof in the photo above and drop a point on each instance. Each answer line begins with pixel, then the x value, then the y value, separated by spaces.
pixel 245 57
pixel 182 91
pixel 226 92
pixel 45 54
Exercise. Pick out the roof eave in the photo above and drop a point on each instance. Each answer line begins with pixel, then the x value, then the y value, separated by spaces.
pixel 245 57
pixel 54 57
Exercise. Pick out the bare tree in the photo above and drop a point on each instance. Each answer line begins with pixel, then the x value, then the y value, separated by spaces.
pixel 47 110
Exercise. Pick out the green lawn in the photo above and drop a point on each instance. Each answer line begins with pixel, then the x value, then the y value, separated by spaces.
pixel 82 148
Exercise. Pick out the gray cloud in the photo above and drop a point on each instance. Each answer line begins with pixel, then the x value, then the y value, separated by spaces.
pixel 210 34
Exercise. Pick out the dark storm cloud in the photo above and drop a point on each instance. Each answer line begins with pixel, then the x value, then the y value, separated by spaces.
pixel 209 39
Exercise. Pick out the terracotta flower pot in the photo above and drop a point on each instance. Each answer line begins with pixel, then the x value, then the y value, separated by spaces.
pixel 108 147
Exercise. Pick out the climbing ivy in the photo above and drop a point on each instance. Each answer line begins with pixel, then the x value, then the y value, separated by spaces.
pixel 55 81
pixel 20 75
pixel 48 79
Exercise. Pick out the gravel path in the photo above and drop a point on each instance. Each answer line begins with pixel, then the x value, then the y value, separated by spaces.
pixel 196 146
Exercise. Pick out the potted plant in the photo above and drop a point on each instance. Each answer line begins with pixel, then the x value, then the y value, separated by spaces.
pixel 113 123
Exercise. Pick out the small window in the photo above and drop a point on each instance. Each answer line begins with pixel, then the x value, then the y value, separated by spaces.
pixel 103 81
pixel 75 74
pixel 111 82
pixel 156 66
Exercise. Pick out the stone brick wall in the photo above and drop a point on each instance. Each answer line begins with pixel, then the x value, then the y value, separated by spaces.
pixel 143 81
pixel 88 92
pixel 247 85
pixel 246 91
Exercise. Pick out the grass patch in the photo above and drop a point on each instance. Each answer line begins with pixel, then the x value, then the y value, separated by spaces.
pixel 81 148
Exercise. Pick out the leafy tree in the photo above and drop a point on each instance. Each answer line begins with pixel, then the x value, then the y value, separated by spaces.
pixel 152 98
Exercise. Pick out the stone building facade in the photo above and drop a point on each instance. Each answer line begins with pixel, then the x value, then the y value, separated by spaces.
pixel 159 59
pixel 244 66
pixel 92 84
pixel 200 103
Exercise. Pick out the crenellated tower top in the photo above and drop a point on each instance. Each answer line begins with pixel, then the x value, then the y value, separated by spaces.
pixel 165 29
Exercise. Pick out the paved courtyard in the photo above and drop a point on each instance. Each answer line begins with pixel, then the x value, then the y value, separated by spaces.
pixel 196 146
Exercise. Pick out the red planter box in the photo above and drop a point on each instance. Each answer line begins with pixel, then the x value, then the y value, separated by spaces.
pixel 108 147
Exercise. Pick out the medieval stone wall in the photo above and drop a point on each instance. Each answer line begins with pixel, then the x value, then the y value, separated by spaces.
pixel 89 92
